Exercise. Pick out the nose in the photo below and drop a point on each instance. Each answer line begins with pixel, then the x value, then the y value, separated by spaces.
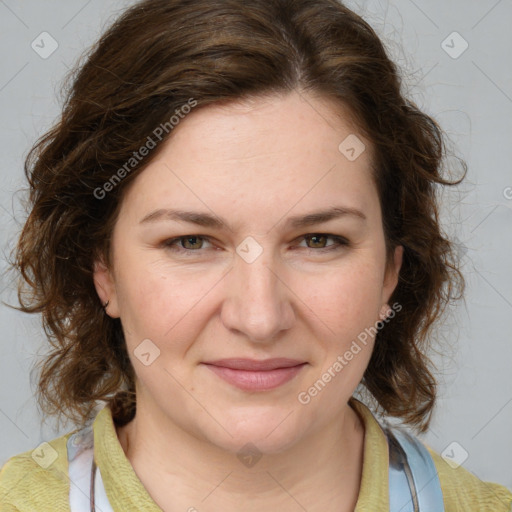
pixel 258 302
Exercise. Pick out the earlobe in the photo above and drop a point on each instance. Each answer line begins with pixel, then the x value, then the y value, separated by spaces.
pixel 385 312
pixel 397 259
pixel 392 273
pixel 105 288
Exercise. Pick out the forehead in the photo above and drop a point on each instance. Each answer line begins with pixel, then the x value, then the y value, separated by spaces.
pixel 255 126
pixel 265 155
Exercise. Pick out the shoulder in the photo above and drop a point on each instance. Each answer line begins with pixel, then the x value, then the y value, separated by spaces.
pixel 464 492
pixel 36 479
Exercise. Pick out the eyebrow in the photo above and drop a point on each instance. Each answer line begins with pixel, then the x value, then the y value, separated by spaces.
pixel 211 221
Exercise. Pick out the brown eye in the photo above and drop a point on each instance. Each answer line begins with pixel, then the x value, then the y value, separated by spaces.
pixel 319 241
pixel 185 244
pixel 191 242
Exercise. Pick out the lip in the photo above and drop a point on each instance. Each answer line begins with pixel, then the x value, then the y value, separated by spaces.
pixel 254 364
pixel 253 375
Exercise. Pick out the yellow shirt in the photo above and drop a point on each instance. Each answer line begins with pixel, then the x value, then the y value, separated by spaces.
pixel 26 486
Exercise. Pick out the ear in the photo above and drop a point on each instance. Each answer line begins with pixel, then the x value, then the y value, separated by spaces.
pixel 392 273
pixel 105 287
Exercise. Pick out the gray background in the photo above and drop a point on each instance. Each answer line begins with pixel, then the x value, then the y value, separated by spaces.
pixel 471 96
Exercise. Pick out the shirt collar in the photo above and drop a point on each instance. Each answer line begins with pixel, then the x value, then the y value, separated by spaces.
pixel 126 492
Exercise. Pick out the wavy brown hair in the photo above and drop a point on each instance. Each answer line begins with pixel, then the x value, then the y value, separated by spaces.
pixel 154 58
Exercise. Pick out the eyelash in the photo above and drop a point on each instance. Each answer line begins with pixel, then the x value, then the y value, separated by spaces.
pixel 340 242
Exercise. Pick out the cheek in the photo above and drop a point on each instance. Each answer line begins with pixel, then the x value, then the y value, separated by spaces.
pixel 164 308
pixel 153 301
pixel 346 309
pixel 346 300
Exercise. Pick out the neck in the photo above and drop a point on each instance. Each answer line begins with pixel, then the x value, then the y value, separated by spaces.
pixel 321 472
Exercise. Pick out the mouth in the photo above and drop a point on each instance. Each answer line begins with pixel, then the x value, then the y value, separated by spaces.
pixel 253 375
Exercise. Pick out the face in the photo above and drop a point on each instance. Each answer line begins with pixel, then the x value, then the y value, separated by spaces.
pixel 253 276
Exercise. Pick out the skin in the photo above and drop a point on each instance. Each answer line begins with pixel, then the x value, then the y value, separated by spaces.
pixel 254 164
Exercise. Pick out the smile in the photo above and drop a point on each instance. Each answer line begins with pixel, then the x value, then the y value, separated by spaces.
pixel 251 375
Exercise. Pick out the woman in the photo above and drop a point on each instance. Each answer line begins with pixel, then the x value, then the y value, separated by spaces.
pixel 233 227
